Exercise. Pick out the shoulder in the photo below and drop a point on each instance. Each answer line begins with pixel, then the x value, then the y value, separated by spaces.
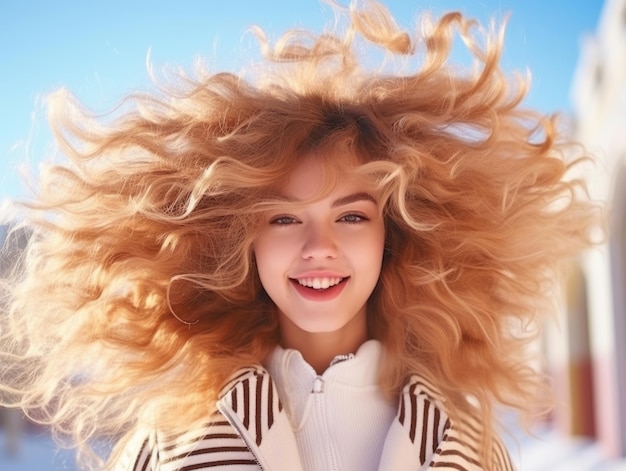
pixel 250 398
pixel 460 445
pixel 420 426
pixel 441 441
pixel 213 445
pixel 244 378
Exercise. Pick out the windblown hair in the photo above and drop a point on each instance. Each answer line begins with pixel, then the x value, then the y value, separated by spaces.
pixel 139 295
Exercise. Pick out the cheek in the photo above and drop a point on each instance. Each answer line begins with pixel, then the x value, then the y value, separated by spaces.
pixel 367 254
pixel 377 239
pixel 260 249
pixel 377 248
pixel 267 256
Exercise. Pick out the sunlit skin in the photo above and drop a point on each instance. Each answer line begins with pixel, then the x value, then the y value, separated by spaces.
pixel 333 246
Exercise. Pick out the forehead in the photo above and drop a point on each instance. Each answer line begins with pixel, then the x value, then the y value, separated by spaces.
pixel 316 175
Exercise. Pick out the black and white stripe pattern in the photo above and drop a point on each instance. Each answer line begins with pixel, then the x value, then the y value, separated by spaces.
pixel 446 446
pixel 216 446
pixel 462 449
pixel 144 460
pixel 421 415
pixel 253 398
pixel 459 452
pixel 251 395
pixel 252 402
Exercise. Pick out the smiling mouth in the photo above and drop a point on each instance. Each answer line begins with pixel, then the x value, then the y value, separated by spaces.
pixel 319 284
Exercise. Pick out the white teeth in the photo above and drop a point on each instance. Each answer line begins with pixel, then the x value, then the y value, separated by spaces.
pixel 319 283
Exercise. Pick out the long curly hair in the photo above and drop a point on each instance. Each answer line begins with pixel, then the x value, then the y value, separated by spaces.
pixel 138 294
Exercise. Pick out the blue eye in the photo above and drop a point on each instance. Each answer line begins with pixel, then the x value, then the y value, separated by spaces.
pixel 353 218
pixel 283 220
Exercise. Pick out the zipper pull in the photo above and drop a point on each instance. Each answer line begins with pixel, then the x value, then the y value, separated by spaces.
pixel 318 385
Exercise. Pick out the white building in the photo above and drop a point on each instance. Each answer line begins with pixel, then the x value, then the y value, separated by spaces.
pixel 593 374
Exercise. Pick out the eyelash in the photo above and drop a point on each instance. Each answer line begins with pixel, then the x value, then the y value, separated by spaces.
pixel 350 218
pixel 277 220
pixel 355 218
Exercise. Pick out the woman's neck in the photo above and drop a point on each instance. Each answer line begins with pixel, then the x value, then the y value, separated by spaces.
pixel 320 348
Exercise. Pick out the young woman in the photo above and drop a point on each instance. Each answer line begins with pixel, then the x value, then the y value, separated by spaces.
pixel 321 267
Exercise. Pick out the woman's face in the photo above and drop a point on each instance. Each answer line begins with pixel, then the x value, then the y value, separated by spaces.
pixel 320 262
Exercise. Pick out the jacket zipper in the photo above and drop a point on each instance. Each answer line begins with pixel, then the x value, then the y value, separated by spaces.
pixel 318 389
pixel 234 422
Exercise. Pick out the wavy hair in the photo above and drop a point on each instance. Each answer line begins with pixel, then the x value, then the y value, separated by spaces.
pixel 138 294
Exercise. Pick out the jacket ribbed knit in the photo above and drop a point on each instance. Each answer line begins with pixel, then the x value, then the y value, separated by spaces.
pixel 340 418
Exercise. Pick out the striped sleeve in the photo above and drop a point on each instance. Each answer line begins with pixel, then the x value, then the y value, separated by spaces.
pixel 435 439
pixel 140 454
pixel 458 450
pixel 216 446
pixel 425 422
pixel 255 401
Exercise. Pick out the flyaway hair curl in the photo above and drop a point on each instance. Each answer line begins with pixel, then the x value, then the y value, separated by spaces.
pixel 138 294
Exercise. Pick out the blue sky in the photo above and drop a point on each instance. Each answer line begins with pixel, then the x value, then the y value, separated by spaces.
pixel 98 50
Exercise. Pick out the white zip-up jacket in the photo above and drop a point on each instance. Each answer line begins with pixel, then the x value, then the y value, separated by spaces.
pixel 251 431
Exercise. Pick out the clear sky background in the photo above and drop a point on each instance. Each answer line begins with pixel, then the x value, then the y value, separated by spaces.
pixel 98 50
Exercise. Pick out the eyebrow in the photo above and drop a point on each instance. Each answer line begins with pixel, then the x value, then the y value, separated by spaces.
pixel 362 196
pixel 344 200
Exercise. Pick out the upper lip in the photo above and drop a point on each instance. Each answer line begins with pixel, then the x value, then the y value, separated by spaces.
pixel 318 274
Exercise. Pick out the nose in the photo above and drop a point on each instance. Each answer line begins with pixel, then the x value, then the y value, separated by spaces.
pixel 319 243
